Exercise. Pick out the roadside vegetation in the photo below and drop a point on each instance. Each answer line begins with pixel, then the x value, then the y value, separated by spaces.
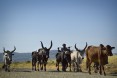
pixel 110 68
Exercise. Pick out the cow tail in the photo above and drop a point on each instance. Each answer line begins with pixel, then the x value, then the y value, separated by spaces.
pixel 87 57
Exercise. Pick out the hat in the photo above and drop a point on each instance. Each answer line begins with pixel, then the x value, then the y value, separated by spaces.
pixel 64 45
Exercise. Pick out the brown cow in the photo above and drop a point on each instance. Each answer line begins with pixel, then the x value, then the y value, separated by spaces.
pixel 98 55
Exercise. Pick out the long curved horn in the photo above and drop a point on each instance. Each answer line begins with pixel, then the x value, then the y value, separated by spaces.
pixel 14 49
pixel 50 45
pixel 42 45
pixel 76 48
pixel 4 49
pixel 85 46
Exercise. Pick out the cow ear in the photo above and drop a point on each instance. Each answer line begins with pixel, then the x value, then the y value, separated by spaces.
pixel 102 47
pixel 113 47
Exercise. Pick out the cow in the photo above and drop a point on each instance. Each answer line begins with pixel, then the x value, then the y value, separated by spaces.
pixel 7 59
pixel 99 55
pixel 43 55
pixel 64 58
pixel 76 58
pixel 34 59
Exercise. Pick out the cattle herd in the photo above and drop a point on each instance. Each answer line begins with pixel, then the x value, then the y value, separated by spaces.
pixel 67 57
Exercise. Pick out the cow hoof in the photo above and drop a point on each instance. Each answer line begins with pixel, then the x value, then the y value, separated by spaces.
pixel 104 74
pixel 5 69
pixel 100 73
pixel 57 69
pixel 8 70
pixel 80 70
pixel 45 69
pixel 90 73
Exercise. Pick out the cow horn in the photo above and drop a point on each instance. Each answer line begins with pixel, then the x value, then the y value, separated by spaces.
pixel 4 49
pixel 51 45
pixel 42 45
pixel 77 48
pixel 113 47
pixel 14 49
pixel 85 46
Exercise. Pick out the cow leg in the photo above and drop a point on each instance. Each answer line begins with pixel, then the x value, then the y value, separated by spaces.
pixel 57 65
pixel 5 67
pixel 45 67
pixel 8 68
pixel 103 70
pixel 32 65
pixel 70 66
pixel 80 68
pixel 63 66
pixel 38 66
pixel 86 63
pixel 35 66
pixel 73 66
pixel 95 68
pixel 89 66
pixel 41 66
pixel 100 70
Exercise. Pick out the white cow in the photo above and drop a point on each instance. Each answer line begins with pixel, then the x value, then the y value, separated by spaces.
pixel 76 58
pixel 7 58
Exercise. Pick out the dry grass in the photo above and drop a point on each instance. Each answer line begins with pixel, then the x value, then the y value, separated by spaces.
pixel 110 68
pixel 23 70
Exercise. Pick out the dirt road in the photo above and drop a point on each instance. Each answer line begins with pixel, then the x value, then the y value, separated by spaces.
pixel 28 73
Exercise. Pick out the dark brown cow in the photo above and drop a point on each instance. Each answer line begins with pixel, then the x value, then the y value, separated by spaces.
pixel 43 55
pixel 34 59
pixel 98 55
pixel 64 58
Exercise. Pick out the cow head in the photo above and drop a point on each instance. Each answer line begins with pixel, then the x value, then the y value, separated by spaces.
pixel 34 53
pixel 46 50
pixel 8 54
pixel 109 50
pixel 81 51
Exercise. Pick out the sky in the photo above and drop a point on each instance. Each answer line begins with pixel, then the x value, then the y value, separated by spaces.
pixel 24 23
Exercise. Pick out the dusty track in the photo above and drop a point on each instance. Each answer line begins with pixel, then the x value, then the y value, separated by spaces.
pixel 28 73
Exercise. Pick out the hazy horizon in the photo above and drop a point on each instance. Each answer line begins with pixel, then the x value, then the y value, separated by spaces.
pixel 24 23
